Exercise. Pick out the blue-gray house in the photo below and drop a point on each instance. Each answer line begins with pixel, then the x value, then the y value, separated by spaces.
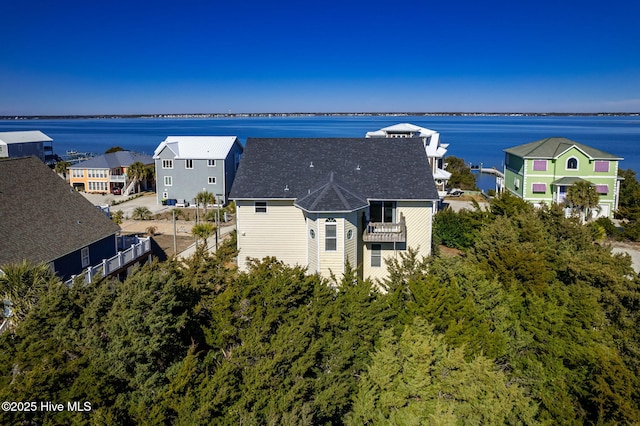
pixel 187 165
pixel 43 220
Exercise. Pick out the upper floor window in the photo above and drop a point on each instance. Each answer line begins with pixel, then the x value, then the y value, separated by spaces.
pixel 167 164
pixel 540 165
pixel 572 163
pixel 211 163
pixel 260 206
pixel 168 181
pixel 212 180
pixel 601 166
pixel 188 164
pixel 331 236
pixel 382 211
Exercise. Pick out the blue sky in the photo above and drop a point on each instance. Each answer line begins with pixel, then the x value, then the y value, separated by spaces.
pixel 129 57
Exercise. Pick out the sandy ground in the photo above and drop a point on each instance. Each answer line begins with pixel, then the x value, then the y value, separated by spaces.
pixel 632 249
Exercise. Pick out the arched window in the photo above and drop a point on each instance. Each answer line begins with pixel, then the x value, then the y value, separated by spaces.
pixel 572 163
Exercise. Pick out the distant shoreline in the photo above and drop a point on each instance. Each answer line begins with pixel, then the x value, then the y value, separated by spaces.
pixel 323 114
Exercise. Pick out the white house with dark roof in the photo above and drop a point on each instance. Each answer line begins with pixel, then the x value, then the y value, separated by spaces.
pixel 324 202
pixel 187 165
pixel 27 143
pixel 433 147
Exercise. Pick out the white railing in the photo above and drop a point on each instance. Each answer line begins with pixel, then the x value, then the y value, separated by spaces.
pixel 117 178
pixel 117 262
pixel 4 326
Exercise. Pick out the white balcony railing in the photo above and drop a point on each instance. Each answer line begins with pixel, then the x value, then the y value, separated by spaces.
pixel 117 262
pixel 118 178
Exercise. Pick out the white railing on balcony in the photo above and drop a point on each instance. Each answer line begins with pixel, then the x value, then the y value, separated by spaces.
pixel 117 178
pixel 117 262
pixel 386 232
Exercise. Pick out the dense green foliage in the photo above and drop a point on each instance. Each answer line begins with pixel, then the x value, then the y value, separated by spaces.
pixel 534 324
pixel 461 175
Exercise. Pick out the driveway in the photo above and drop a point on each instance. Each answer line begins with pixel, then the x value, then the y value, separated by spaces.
pixel 147 200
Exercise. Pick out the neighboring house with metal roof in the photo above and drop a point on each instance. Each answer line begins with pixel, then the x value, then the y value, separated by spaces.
pixel 106 173
pixel 324 202
pixel 42 220
pixel 542 171
pixel 24 144
pixel 187 165
pixel 434 148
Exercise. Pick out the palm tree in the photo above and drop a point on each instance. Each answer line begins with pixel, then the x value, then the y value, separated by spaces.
pixel 202 231
pixel 205 197
pixel 583 197
pixel 20 287
pixel 62 168
pixel 137 172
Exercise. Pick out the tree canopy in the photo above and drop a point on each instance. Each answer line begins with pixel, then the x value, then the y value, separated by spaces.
pixel 534 323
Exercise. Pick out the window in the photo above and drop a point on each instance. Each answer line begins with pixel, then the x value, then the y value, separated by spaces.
pixel 212 180
pixel 168 181
pixel 77 173
pixel 382 211
pixel 211 163
pixel 601 166
pixel 540 165
pixel 188 164
pixel 572 163
pixel 376 255
pixel 330 236
pixel 167 164
pixel 516 183
pixel 260 206
pixel 312 234
pixel 84 254
pixel 602 189
pixel 349 234
pixel 539 187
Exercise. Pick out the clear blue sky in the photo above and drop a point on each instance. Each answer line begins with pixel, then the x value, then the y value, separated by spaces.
pixel 127 57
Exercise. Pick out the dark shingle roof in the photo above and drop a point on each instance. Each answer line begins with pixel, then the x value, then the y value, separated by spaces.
pixel 41 217
pixel 114 160
pixel 553 147
pixel 375 168
pixel 333 196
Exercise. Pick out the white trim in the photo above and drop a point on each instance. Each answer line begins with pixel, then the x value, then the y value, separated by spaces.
pixel 566 163
pixel 186 163
pixel 169 182
pixel 209 180
pixel 169 163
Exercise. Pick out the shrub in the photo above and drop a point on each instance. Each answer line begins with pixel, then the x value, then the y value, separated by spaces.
pixel 141 213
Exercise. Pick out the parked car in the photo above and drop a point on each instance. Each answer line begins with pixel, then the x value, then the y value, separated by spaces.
pixel 455 192
pixel 182 203
pixel 117 191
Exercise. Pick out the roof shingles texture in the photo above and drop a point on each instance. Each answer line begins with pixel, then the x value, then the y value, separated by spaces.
pixel 371 168
pixel 553 147
pixel 41 217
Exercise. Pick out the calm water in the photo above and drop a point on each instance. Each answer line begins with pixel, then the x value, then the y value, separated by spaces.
pixel 476 139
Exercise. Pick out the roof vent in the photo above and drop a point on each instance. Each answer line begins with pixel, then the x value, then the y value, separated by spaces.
pixel 286 187
pixel 311 165
pixel 358 167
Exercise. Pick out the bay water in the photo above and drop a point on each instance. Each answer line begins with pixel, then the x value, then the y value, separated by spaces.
pixel 477 139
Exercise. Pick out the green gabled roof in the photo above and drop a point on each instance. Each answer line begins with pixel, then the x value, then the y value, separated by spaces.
pixel 554 147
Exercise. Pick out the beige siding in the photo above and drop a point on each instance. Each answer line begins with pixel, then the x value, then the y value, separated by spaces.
pixel 417 215
pixel 378 272
pixel 331 261
pixel 351 245
pixel 281 232
pixel 312 243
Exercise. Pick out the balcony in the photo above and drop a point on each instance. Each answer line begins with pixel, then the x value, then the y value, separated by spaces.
pixel 385 232
pixel 118 178
pixel 117 263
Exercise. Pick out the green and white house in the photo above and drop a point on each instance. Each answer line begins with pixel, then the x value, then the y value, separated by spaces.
pixel 542 171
